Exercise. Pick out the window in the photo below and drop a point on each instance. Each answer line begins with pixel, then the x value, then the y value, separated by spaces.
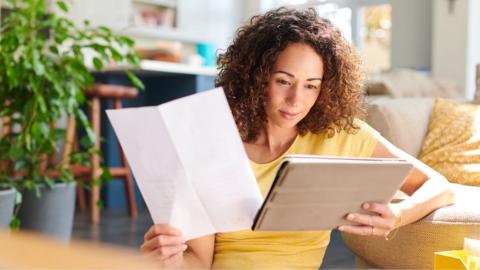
pixel 365 23
pixel 339 16
pixel 376 37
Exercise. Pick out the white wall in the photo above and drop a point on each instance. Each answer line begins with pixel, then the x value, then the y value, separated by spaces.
pixel 473 47
pixel 456 42
pixel 112 13
pixel 205 20
pixel 411 33
pixel 216 20
pixel 450 41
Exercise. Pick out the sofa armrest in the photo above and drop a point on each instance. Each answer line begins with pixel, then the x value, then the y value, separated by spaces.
pixel 414 244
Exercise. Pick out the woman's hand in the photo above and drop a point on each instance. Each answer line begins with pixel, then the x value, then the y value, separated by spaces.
pixel 165 244
pixel 380 220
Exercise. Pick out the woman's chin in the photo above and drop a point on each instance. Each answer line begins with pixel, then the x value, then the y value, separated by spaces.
pixel 287 124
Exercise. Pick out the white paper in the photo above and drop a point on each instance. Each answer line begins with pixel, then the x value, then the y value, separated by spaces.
pixel 189 163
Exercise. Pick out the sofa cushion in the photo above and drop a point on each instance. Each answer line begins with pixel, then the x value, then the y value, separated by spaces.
pixel 414 244
pixel 452 144
pixel 410 83
pixel 402 121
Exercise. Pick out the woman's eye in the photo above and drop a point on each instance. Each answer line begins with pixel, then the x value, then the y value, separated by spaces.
pixel 283 82
pixel 311 86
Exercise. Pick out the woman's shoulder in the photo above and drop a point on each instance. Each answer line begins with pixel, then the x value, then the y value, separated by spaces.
pixel 356 142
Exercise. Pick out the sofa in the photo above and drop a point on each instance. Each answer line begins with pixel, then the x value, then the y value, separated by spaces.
pixel 404 122
pixel 403 82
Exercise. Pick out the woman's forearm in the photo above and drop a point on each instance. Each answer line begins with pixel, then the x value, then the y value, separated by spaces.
pixel 190 260
pixel 433 194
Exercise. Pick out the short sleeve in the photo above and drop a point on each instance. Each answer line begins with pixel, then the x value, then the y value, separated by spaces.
pixel 365 140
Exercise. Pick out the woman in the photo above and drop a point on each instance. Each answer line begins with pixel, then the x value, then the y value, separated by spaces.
pixel 294 86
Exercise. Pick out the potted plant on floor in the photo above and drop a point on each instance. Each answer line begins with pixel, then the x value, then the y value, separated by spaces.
pixel 43 73
pixel 7 203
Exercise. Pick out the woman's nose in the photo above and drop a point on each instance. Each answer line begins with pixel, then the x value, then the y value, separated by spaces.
pixel 293 96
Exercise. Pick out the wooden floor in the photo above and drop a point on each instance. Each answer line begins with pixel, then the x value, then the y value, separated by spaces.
pixel 118 229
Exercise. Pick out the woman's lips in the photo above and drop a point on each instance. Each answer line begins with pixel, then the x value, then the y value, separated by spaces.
pixel 288 115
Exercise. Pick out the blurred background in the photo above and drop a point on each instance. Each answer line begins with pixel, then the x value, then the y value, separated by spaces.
pixel 409 48
pixel 434 36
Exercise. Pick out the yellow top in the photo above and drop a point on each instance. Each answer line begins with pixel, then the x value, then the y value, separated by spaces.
pixel 302 249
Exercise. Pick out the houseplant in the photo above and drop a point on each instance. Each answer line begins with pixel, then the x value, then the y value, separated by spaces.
pixel 7 203
pixel 43 73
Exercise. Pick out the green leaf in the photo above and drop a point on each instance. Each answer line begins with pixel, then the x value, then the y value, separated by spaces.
pixel 77 50
pixel 106 175
pixel 135 80
pixel 41 103
pixel 62 6
pixel 125 41
pixel 38 67
pixel 36 130
pixel 20 165
pixel 116 55
pixel 28 141
pixel 50 183
pixel 86 141
pixel 15 152
pixel 133 59
pixel 38 193
pixel 88 130
pixel 18 197
pixel 97 63
pixel 59 133
pixel 29 184
pixel 15 223
pixel 106 30
pixel 53 49
pixel 99 204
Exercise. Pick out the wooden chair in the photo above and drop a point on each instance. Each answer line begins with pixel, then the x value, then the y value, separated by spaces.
pixel 5 132
pixel 115 93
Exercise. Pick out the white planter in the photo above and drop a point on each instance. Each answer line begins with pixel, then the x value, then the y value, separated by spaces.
pixel 7 204
pixel 52 214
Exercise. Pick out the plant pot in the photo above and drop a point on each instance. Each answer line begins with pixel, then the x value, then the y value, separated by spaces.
pixel 7 203
pixel 52 213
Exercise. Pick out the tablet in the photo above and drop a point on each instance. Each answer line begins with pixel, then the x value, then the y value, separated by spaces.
pixel 317 192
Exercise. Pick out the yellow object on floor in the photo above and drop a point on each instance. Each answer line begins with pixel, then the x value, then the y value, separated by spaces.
pixel 468 258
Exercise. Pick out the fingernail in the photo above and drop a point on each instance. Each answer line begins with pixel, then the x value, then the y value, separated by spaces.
pixel 350 216
pixel 366 205
pixel 185 247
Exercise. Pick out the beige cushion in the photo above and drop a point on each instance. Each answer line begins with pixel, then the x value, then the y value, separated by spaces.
pixel 402 121
pixel 413 245
pixel 410 83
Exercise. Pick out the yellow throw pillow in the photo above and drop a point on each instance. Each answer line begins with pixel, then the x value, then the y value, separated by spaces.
pixel 452 143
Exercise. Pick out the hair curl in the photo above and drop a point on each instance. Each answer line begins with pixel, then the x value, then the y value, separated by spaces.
pixel 246 65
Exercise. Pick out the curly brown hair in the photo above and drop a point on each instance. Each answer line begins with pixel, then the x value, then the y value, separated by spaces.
pixel 246 65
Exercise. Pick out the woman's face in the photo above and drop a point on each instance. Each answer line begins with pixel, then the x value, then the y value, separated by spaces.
pixel 294 85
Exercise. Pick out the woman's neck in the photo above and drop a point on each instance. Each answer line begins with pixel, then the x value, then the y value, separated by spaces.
pixel 275 138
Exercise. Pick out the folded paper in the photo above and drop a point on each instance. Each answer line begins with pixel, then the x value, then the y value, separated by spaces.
pixel 189 163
